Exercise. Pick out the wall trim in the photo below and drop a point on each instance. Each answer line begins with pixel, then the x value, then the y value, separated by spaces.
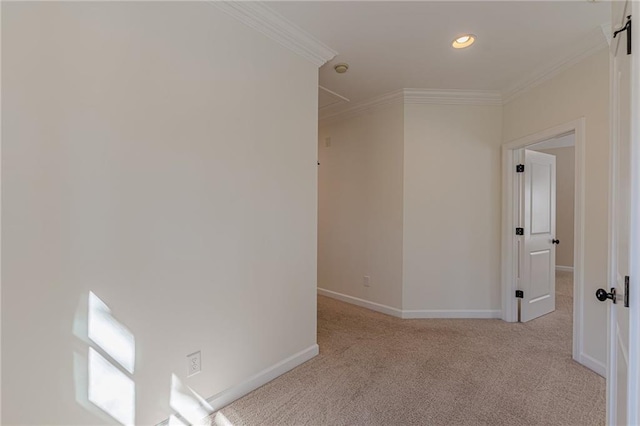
pixel 592 364
pixel 233 393
pixel 394 312
pixel 451 313
pixel 392 98
pixel 263 377
pixel 592 44
pixel 279 29
pixel 564 268
pixel 451 97
pixel 410 314
pixel 417 97
pixel 339 99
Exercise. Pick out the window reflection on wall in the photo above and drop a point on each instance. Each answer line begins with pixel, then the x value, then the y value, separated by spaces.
pixel 189 407
pixel 110 335
pixel 104 366
pixel 110 389
pixel 104 370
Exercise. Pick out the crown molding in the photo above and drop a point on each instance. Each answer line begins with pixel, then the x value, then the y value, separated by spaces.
pixel 417 97
pixel 451 97
pixel 275 26
pixel 593 44
pixel 395 97
pixel 339 99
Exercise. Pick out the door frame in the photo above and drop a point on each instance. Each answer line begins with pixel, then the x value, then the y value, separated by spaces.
pixel 510 211
pixel 634 297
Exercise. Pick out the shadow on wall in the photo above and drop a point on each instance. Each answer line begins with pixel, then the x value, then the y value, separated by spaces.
pixel 104 367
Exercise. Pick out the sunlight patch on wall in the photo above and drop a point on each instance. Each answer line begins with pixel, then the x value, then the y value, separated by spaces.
pixel 110 335
pixel 104 368
pixel 110 389
pixel 188 404
pixel 174 421
pixel 221 420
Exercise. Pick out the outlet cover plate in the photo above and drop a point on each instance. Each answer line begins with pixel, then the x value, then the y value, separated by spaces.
pixel 194 363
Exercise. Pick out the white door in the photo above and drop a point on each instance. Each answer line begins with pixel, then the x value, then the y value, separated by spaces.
pixel 622 365
pixel 538 257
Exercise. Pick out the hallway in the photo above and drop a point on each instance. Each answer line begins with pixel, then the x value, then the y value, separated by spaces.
pixel 375 369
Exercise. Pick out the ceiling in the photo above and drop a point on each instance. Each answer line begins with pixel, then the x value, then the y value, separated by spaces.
pixel 390 45
pixel 563 141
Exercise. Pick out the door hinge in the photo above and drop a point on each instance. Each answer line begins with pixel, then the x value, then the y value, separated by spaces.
pixel 519 168
pixel 519 294
pixel 519 231
pixel 627 28
pixel 626 291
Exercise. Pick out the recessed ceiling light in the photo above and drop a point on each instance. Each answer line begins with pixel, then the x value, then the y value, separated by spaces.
pixel 463 41
pixel 341 68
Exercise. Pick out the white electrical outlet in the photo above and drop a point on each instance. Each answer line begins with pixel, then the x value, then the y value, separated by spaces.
pixel 366 281
pixel 327 142
pixel 194 363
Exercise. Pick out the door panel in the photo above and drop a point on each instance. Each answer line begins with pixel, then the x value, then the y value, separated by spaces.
pixel 541 198
pixel 538 266
pixel 541 281
pixel 620 409
pixel 621 375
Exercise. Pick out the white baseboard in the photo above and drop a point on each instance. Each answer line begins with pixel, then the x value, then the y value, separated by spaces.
pixel 263 377
pixel 564 268
pixel 592 364
pixel 227 396
pixel 361 302
pixel 410 314
pixel 451 313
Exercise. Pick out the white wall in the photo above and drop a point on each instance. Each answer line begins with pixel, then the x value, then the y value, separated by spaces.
pixel 581 91
pixel 360 206
pixel 565 200
pixel 410 196
pixel 148 159
pixel 452 207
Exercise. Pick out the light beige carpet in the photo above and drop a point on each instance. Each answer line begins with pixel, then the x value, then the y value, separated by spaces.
pixel 374 369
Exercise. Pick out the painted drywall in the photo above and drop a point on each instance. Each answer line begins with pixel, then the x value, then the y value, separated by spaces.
pixel 565 198
pixel 360 205
pixel 407 194
pixel 581 91
pixel 451 235
pixel 148 159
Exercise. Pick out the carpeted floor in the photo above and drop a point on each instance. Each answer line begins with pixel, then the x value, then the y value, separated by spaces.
pixel 374 369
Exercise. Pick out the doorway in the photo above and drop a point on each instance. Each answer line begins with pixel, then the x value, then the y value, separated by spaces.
pixel 510 213
pixel 554 277
pixel 563 149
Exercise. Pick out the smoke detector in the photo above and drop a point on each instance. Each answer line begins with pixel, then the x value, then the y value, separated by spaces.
pixel 341 68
